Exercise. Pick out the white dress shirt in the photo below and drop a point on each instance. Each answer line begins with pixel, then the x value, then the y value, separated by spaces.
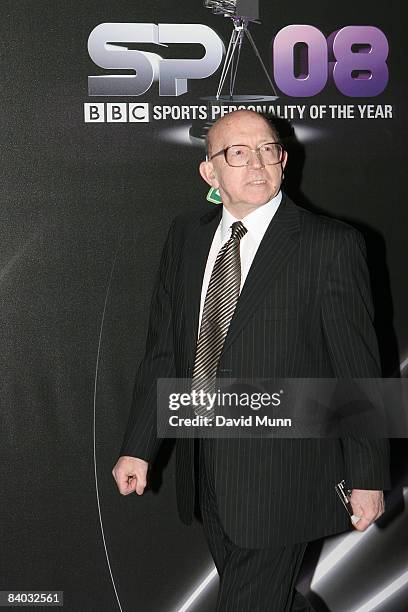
pixel 256 222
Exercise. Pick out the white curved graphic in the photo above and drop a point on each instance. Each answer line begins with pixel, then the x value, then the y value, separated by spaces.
pixel 94 428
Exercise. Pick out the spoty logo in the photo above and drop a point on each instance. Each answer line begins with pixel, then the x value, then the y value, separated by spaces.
pixel 303 60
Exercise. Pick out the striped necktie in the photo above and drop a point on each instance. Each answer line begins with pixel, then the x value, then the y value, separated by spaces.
pixel 219 305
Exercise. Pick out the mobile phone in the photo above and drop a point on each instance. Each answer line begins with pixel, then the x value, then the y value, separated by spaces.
pixel 344 494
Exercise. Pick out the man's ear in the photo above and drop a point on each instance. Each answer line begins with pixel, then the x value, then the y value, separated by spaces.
pixel 207 173
pixel 285 159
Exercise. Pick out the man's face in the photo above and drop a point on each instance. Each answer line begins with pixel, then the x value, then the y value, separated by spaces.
pixel 243 188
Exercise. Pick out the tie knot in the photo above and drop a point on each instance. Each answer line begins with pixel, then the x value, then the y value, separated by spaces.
pixel 238 230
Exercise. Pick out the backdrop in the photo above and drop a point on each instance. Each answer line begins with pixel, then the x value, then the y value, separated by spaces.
pixel 92 172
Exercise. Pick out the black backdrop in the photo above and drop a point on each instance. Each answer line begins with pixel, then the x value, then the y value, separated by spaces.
pixel 84 211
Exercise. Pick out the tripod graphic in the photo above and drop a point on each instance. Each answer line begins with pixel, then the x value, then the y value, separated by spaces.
pixel 232 57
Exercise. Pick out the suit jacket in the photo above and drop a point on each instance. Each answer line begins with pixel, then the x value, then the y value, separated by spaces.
pixel 305 310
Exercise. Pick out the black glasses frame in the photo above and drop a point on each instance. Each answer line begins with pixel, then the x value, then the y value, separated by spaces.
pixel 257 151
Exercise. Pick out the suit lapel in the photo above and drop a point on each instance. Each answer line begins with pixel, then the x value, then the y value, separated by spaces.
pixel 197 251
pixel 278 245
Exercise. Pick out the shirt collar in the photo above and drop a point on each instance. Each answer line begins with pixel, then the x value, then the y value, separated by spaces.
pixel 256 222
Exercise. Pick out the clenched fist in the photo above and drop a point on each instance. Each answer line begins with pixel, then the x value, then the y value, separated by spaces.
pixel 368 505
pixel 130 474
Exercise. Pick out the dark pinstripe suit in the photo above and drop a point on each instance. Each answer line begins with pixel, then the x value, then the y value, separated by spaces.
pixel 305 311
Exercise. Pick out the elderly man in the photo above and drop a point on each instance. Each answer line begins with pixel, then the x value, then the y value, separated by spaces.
pixel 259 288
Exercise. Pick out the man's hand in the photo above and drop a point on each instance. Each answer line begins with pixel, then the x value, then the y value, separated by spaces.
pixel 130 474
pixel 369 505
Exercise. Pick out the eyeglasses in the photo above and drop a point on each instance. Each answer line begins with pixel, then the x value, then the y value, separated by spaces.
pixel 239 155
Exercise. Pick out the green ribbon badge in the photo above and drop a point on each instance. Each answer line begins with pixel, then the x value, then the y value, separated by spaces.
pixel 214 196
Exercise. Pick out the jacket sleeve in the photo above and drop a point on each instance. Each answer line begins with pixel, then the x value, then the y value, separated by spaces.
pixel 140 438
pixel 347 318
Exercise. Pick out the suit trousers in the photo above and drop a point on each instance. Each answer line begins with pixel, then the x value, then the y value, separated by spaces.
pixel 251 580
